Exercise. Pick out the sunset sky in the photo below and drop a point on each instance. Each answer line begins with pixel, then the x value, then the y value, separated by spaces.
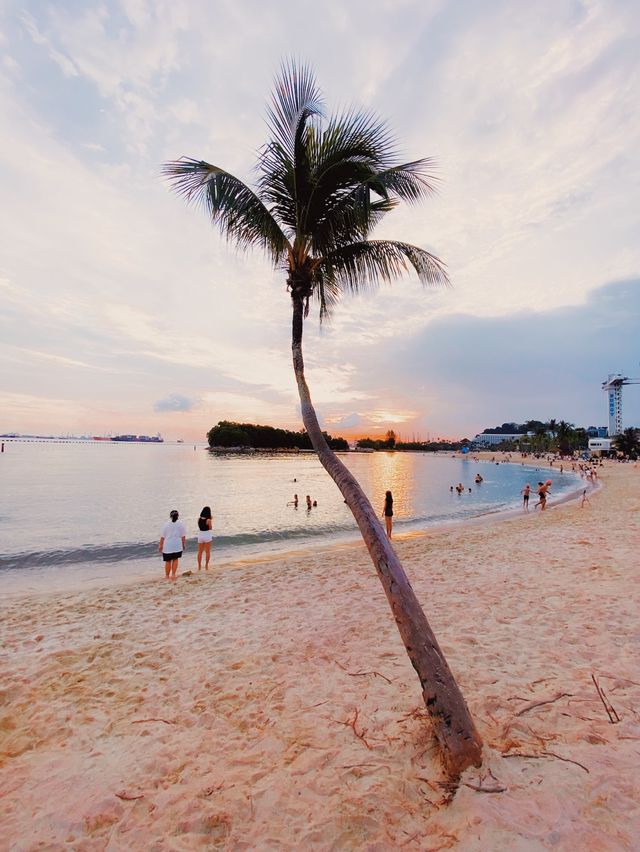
pixel 122 310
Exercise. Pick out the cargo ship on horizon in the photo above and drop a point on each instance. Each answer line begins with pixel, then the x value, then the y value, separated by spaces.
pixel 132 439
pixel 139 439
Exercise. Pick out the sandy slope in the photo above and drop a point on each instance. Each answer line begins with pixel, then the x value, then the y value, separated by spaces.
pixel 220 711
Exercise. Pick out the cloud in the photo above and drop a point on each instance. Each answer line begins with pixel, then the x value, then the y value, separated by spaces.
pixel 114 291
pixel 49 356
pixel 481 371
pixel 348 421
pixel 175 402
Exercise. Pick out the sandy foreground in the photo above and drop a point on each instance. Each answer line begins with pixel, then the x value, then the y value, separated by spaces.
pixel 272 705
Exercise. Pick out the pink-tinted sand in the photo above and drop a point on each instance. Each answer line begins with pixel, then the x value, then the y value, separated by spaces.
pixel 272 705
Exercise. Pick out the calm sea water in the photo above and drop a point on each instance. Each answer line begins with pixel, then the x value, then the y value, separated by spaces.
pixel 92 512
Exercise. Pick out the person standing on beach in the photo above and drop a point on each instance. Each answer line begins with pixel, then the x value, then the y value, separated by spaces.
pixel 173 541
pixel 525 496
pixel 205 537
pixel 387 512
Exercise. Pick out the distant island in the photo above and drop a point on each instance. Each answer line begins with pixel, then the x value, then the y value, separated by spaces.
pixel 392 442
pixel 229 435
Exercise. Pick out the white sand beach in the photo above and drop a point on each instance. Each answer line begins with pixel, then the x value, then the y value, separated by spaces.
pixel 271 705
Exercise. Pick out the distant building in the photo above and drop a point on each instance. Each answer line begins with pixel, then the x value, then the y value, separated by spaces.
pixel 597 431
pixel 597 446
pixel 492 439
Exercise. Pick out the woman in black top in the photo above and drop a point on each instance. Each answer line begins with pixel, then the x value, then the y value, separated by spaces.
pixel 387 512
pixel 205 537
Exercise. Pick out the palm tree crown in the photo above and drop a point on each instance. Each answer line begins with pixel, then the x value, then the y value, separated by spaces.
pixel 323 185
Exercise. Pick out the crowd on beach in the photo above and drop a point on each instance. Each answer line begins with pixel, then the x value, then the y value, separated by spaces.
pixel 387 511
pixel 173 539
pixel 587 470
pixel 543 490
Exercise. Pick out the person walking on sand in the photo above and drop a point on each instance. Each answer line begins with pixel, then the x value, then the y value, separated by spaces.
pixel 308 503
pixel 205 537
pixel 585 499
pixel 173 541
pixel 387 512
pixel 526 491
pixel 543 488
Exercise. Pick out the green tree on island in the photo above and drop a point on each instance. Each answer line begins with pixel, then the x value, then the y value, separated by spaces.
pixel 254 436
pixel 628 442
pixel 540 441
pixel 323 185
pixel 564 433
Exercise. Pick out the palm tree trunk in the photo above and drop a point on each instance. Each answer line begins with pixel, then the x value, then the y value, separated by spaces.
pixel 460 742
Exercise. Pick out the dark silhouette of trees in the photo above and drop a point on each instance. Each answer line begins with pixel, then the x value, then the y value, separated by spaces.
pixel 229 434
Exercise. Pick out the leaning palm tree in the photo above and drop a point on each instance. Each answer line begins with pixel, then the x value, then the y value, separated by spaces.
pixel 322 187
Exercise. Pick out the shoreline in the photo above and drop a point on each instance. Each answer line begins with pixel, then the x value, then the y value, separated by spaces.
pixel 134 571
pixel 277 708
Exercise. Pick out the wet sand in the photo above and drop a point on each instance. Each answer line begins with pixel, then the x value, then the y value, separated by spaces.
pixel 272 705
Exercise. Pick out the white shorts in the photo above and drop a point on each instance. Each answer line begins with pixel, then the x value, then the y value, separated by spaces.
pixel 205 537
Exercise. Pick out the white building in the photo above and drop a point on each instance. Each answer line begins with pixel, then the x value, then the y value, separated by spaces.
pixel 599 445
pixel 492 440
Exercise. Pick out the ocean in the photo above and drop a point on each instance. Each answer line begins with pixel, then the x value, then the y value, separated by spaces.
pixel 91 513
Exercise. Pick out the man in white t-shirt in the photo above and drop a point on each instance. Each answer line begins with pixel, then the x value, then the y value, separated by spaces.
pixel 173 540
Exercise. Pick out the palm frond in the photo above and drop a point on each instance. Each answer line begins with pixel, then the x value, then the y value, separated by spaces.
pixel 276 185
pixel 353 136
pixel 348 217
pixel 327 292
pixel 365 264
pixel 344 156
pixel 341 198
pixel 296 98
pixel 284 162
pixel 237 211
pixel 410 182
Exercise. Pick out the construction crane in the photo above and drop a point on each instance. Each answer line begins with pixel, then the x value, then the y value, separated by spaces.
pixel 613 386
